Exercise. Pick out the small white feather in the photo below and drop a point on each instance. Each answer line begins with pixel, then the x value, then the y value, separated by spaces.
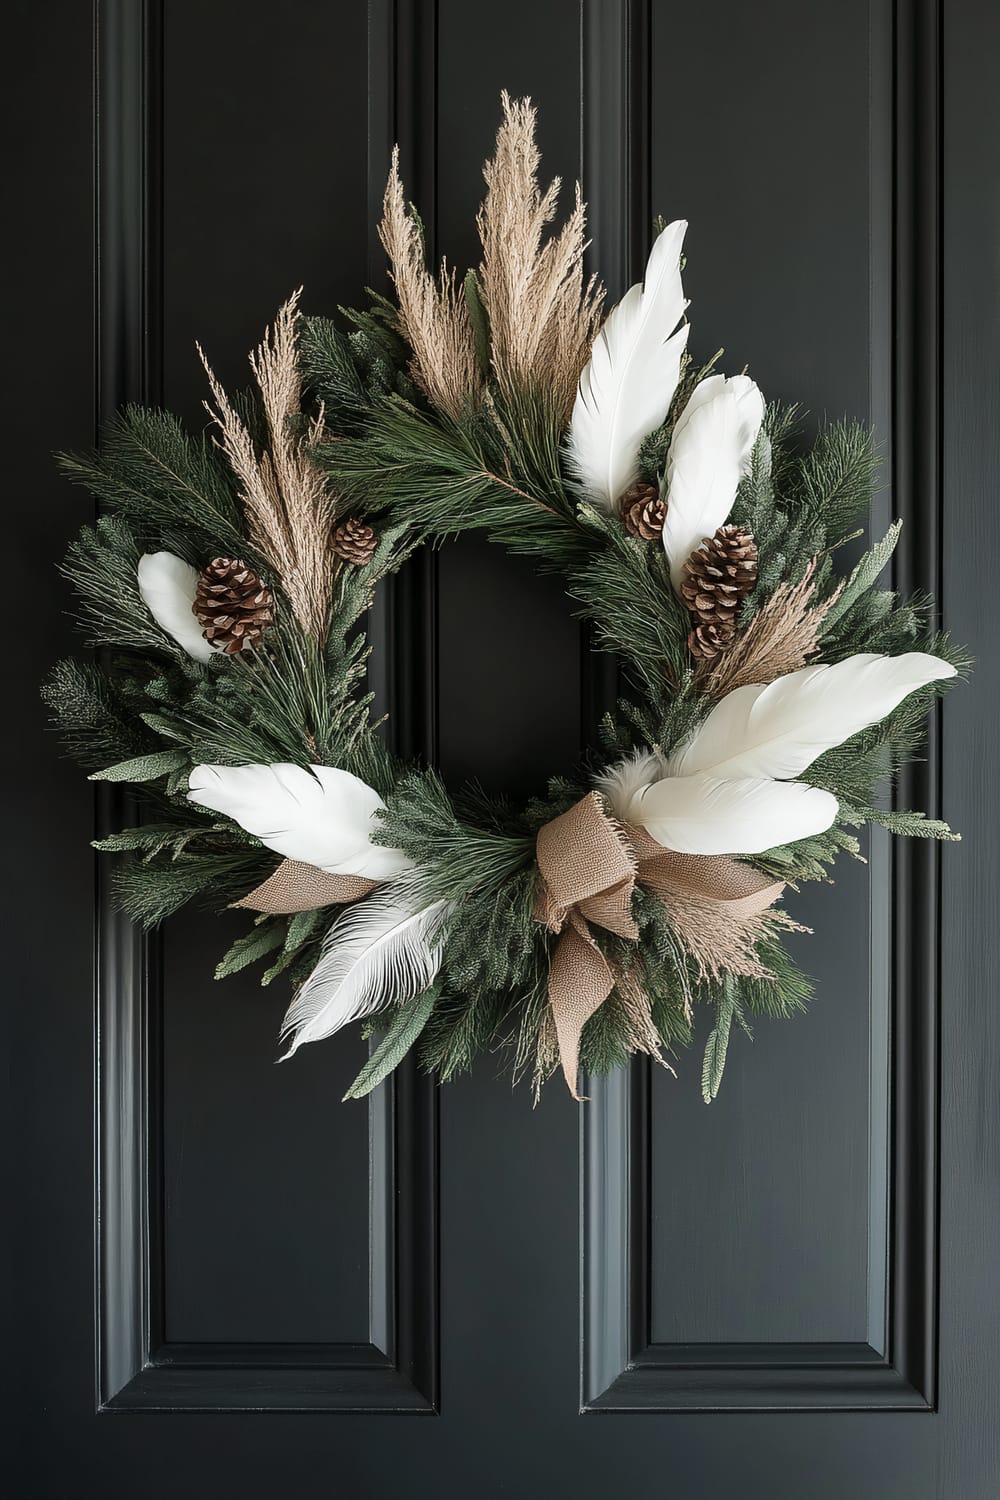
pixel 168 586
pixel 779 730
pixel 377 953
pixel 629 381
pixel 323 817
pixel 622 785
pixel 709 454
pixel 703 815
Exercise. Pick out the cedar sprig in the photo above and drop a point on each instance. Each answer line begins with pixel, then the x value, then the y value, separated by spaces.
pixel 97 713
pixel 150 892
pixel 349 372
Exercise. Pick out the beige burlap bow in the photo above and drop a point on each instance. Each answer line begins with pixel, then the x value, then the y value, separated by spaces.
pixel 294 886
pixel 589 867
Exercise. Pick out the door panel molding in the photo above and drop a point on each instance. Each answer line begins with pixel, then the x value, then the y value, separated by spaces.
pixel 622 1369
pixel 137 1370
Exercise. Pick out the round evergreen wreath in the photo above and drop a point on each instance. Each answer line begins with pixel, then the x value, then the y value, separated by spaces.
pixel 764 697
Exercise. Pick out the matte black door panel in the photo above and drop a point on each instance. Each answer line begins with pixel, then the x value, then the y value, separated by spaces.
pixel 796 1286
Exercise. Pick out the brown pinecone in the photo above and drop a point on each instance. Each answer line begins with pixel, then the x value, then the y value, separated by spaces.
pixel 355 541
pixel 717 577
pixel 643 511
pixel 232 605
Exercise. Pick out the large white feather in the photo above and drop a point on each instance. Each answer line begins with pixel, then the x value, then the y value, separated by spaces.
pixel 323 816
pixel 629 381
pixel 703 815
pixel 709 454
pixel 168 585
pixel 780 729
pixel 378 953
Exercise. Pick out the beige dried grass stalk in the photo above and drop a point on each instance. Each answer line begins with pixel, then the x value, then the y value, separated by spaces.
pixel 434 318
pixel 779 639
pixel 636 1014
pixel 720 943
pixel 546 1052
pixel 286 499
pixel 542 317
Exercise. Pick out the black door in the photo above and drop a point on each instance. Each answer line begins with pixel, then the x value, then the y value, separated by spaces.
pixel 224 1282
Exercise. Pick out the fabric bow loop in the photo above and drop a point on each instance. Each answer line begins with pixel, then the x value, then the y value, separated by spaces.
pixel 587 876
pixel 589 867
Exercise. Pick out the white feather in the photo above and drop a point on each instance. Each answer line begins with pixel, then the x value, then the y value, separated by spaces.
pixel 622 785
pixel 703 815
pixel 709 454
pixel 377 953
pixel 780 729
pixel 629 381
pixel 323 816
pixel 168 585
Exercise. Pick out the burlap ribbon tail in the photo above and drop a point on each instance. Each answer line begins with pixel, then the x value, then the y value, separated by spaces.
pixel 295 886
pixel 589 867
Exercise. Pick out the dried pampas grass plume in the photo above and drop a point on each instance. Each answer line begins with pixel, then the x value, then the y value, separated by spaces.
pixel 635 1009
pixel 720 943
pixel 542 317
pixel 779 639
pixel 434 318
pixel 287 503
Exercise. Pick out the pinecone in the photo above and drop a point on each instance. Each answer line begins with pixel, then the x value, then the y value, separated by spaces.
pixel 643 511
pixel 355 541
pixel 717 577
pixel 232 605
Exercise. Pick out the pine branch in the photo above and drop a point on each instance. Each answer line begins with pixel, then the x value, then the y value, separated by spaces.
pixel 625 590
pixel 441 479
pixel 150 472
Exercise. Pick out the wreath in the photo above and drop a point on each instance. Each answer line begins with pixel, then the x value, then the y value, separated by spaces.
pixel 765 697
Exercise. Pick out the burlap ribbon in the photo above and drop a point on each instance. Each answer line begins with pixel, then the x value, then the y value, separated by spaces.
pixel 294 886
pixel 589 867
